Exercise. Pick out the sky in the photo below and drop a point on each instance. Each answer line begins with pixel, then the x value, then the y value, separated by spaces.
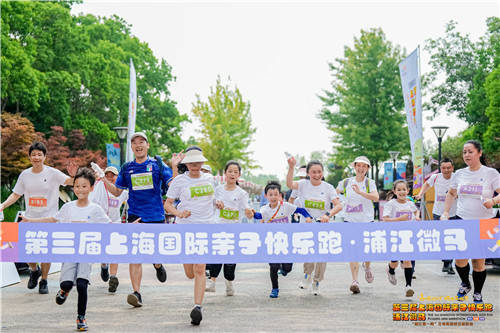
pixel 277 54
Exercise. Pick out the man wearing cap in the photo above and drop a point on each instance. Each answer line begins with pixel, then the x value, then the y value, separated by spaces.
pixel 143 180
pixel 360 192
pixel 111 205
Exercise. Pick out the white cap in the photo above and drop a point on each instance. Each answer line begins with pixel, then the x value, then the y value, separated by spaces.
pixel 206 167
pixel 141 134
pixel 361 159
pixel 111 169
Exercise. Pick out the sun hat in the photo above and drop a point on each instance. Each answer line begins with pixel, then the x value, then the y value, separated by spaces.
pixel 111 169
pixel 193 156
pixel 361 159
pixel 141 134
pixel 206 167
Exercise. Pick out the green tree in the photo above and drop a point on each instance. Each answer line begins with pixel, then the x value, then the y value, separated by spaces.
pixel 491 137
pixel 364 108
pixel 226 126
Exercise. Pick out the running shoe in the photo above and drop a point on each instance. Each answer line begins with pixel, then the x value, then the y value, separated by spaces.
pixel 43 288
pixel 34 276
pixel 368 273
pixel 135 299
pixel 462 291
pixel 81 323
pixel 445 267
pixel 229 288
pixel 354 287
pixel 274 293
pixel 409 292
pixel 196 315
pixel 306 281
pixel 391 277
pixel 161 273
pixel 282 272
pixel 113 284
pixel 315 288
pixel 105 273
pixel 450 270
pixel 61 296
pixel 478 298
pixel 210 286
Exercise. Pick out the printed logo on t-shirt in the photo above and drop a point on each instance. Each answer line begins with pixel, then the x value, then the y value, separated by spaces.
pixel 142 181
pixel 229 214
pixel 283 219
pixel 471 189
pixel 37 202
pixel 113 203
pixel 314 204
pixel 201 190
pixel 354 209
pixel 403 213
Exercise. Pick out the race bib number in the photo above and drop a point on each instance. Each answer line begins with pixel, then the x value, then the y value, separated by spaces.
pixel 37 202
pixel 229 214
pixel 314 204
pixel 113 203
pixel 280 220
pixel 441 198
pixel 201 191
pixel 354 209
pixel 403 213
pixel 142 181
pixel 474 190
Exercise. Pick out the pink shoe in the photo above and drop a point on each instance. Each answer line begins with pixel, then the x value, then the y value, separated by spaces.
pixel 368 274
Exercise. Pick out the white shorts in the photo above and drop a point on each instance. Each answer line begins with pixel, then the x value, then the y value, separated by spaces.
pixel 71 271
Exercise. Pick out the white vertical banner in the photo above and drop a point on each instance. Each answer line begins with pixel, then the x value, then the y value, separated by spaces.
pixel 132 110
pixel 409 70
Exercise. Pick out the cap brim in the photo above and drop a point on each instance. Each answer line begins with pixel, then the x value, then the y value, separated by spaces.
pixel 193 160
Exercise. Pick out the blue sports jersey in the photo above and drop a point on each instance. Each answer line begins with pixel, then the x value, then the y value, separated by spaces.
pixel 143 182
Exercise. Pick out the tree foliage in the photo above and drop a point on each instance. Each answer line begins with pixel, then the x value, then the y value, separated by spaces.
pixel 226 126
pixel 364 107
pixel 73 72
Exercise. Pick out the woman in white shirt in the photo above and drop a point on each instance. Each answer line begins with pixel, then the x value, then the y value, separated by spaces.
pixel 475 186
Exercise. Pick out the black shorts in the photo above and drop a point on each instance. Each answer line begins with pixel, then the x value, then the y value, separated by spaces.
pixel 131 218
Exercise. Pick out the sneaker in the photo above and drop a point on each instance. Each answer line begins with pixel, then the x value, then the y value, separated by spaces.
pixel 81 323
pixel 445 267
pixel 354 287
pixel 391 277
pixel 34 276
pixel 462 291
pixel 161 273
pixel 368 274
pixel 282 272
pixel 409 291
pixel 210 286
pixel 196 316
pixel 315 288
pixel 306 281
pixel 61 296
pixel 229 288
pixel 478 298
pixel 274 293
pixel 105 273
pixel 135 299
pixel 450 270
pixel 43 287
pixel 113 284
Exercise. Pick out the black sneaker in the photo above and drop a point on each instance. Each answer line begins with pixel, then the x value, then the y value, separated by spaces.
pixel 196 316
pixel 161 273
pixel 34 276
pixel 105 273
pixel 135 299
pixel 113 284
pixel 445 267
pixel 42 287
pixel 61 296
pixel 81 323
pixel 450 270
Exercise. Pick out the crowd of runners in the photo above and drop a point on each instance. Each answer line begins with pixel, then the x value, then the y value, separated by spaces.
pixel 193 198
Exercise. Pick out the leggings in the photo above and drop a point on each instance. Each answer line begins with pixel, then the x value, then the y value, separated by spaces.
pixel 228 270
pixel 81 287
pixel 273 272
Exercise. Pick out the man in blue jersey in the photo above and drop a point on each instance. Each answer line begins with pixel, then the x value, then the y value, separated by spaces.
pixel 143 177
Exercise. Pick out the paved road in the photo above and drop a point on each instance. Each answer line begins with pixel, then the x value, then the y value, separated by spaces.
pixel 167 306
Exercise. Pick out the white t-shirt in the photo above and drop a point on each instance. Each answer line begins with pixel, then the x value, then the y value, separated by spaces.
pixel 235 203
pixel 316 199
pixel 283 216
pixel 473 188
pixel 108 202
pixel 394 208
pixel 71 213
pixel 40 190
pixel 441 186
pixel 357 208
pixel 196 195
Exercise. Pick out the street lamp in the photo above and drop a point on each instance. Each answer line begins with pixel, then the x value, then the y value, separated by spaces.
pixel 439 131
pixel 394 156
pixel 122 134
